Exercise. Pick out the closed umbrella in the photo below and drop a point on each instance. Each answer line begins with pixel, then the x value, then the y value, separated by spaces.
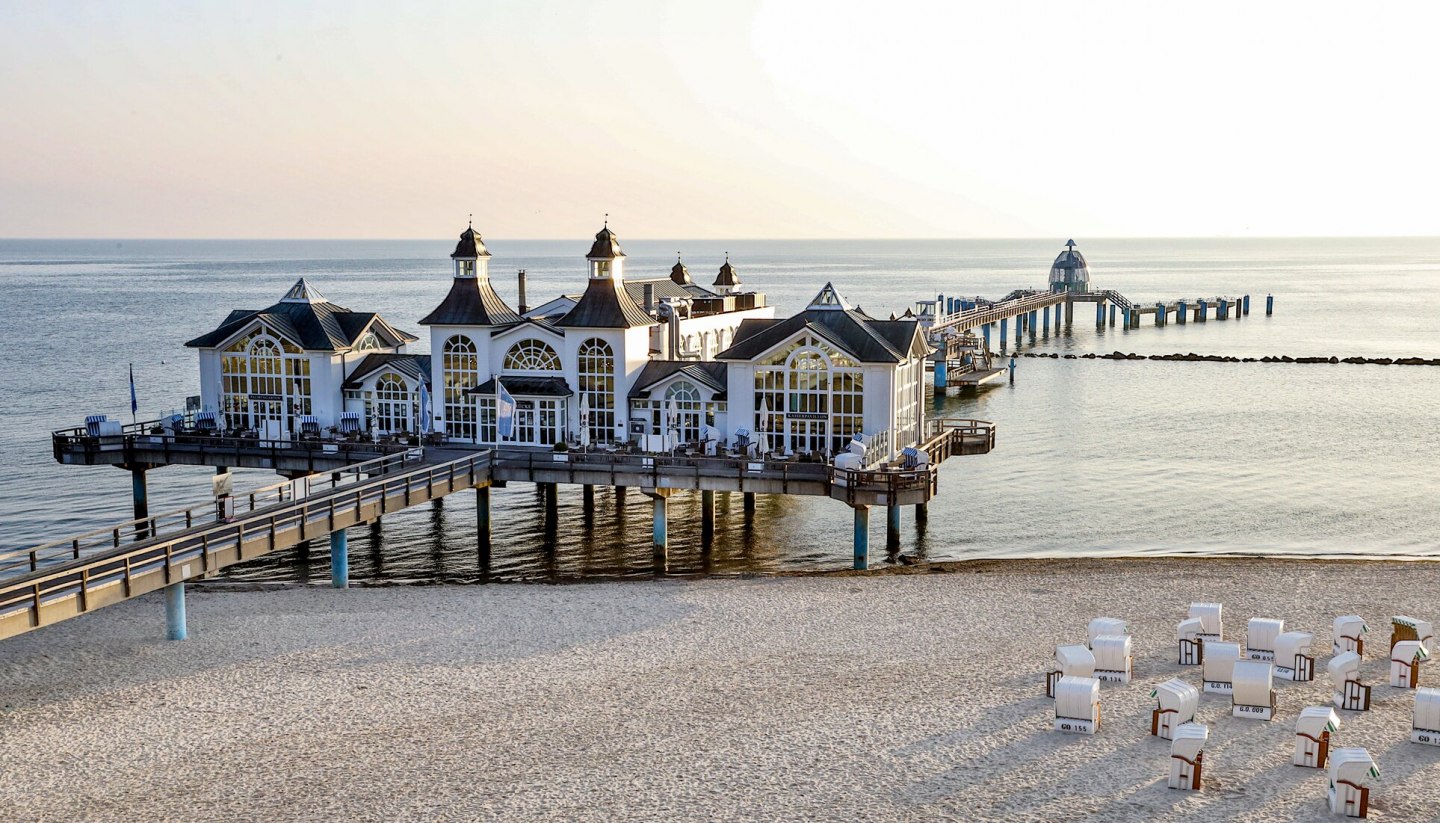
pixel 424 408
pixel 762 428
pixel 673 413
pixel 584 420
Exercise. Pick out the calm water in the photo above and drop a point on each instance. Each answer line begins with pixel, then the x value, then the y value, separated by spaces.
pixel 1094 457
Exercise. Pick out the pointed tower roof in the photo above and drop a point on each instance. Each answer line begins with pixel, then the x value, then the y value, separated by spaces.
pixel 606 245
pixel 303 292
pixel 828 300
pixel 678 273
pixel 470 245
pixel 727 276
pixel 606 305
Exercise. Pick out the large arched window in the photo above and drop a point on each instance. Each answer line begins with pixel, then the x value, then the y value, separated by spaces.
pixel 461 368
pixel 263 378
pixel 682 400
pixel 394 406
pixel 810 397
pixel 597 389
pixel 531 355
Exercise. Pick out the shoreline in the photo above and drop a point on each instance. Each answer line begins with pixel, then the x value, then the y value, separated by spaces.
pixel 833 695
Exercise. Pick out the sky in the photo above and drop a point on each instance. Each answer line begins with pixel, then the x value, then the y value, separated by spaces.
pixel 743 119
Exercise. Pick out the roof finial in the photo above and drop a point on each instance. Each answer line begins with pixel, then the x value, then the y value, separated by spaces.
pixel 727 257
pixel 607 219
pixel 472 219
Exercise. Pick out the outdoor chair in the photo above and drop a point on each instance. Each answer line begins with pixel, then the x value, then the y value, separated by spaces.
pixel 1218 668
pixel 1077 705
pixel 1070 661
pixel 1405 660
pixel 1175 705
pixel 1260 634
pixel 1425 722
pixel 1253 697
pixel 1292 657
pixel 1350 694
pixel 1312 736
pixel 1349 631
pixel 1351 771
pixel 1187 756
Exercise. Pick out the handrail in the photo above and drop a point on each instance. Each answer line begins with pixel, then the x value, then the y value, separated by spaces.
pixel 982 315
pixel 78 441
pixel 101 569
pixel 148 528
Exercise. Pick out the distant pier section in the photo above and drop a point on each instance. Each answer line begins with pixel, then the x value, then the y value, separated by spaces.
pixel 965 333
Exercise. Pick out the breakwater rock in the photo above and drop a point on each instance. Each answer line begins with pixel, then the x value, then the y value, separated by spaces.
pixel 1192 357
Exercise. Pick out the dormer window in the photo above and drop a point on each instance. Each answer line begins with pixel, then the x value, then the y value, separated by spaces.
pixel 368 341
pixel 467 268
pixel 602 268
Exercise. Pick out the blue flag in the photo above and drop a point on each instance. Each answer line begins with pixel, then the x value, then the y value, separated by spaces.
pixel 504 410
pixel 134 405
pixel 424 408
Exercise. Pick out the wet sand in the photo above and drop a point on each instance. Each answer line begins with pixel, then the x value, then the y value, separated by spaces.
pixel 879 697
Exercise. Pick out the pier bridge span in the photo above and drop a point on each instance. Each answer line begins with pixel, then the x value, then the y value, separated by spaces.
pixel 79 574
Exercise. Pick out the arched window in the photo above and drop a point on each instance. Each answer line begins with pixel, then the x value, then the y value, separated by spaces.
pixel 597 389
pixel 368 341
pixel 813 394
pixel 263 378
pixel 531 355
pixel 394 407
pixel 461 368
pixel 687 409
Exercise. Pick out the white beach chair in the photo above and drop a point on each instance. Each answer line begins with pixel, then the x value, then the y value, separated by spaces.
pixel 1104 626
pixel 1209 614
pixel 1312 735
pixel 1187 756
pixel 1260 634
pixel 1349 634
pixel 1113 662
pixel 1405 660
pixel 1219 665
pixel 1175 705
pixel 1077 705
pixel 1070 661
pixel 1350 694
pixel 1351 771
pixel 1425 725
pixel 1292 657
pixel 1253 697
pixel 1409 628
pixel 1187 636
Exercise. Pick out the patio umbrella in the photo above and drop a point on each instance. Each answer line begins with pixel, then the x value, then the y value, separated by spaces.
pixel 673 414
pixel 762 428
pixel 584 420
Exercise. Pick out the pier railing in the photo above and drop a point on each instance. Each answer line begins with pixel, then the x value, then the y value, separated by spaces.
pixel 235 506
pixel 77 586
pixel 983 315
pixel 80 442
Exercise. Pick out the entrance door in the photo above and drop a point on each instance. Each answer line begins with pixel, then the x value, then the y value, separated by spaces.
pixel 525 423
pixel 808 435
pixel 261 411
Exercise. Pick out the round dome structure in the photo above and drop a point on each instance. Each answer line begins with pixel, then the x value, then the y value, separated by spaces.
pixel 1069 272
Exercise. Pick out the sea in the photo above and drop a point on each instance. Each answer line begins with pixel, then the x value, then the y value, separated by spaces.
pixel 1095 458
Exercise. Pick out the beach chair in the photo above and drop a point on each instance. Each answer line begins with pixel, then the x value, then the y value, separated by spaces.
pixel 207 422
pixel 1187 755
pixel 1425 723
pixel 92 423
pixel 1113 661
pixel 1405 659
pixel 309 427
pixel 1104 625
pixel 1209 614
pixel 1349 632
pixel 1175 705
pixel 1070 661
pixel 1312 735
pixel 1187 636
pixel 1218 667
pixel 1292 659
pixel 1077 705
pixel 1408 628
pixel 1260 634
pixel 1351 771
pixel 1252 698
pixel 349 424
pixel 1350 694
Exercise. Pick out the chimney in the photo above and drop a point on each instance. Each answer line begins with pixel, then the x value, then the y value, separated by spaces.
pixel 523 307
pixel 649 297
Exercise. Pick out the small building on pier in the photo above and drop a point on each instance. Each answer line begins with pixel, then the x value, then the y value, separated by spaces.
pixel 1069 272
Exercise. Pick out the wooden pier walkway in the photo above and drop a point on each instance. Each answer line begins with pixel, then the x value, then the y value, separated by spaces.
pixel 77 575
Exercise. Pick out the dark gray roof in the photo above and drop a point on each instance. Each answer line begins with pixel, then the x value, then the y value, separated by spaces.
pixel 413 366
pixel 315 326
pixel 534 386
pixel 706 373
pixel 470 245
pixel 472 301
pixel 865 339
pixel 727 275
pixel 679 274
pixel 605 306
pixel 606 245
pixel 1070 258
pixel 665 287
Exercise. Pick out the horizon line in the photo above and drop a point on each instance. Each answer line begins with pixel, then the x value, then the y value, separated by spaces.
pixel 737 237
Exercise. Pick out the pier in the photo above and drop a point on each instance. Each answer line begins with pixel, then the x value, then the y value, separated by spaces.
pixel 83 573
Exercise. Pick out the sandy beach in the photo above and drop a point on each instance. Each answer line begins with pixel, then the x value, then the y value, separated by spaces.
pixel 878 697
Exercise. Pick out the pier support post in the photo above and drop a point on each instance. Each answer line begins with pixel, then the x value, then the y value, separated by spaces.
pixel 620 497
pixel 1246 312
pixel 1159 314
pixel 987 335
pixel 749 501
pixel 339 560
pixel 482 530
pixel 1004 331
pixel 1046 321
pixel 141 498
pixel 660 532
pixel 1269 304
pixel 941 380
pixel 587 494
pixel 1204 311
pixel 175 611
pixel 1018 323
pixel 707 514
pixel 862 538
pixel 922 514
pixel 892 526
pixel 1100 313
pixel 1112 315
pixel 1069 312
pixel 1180 312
